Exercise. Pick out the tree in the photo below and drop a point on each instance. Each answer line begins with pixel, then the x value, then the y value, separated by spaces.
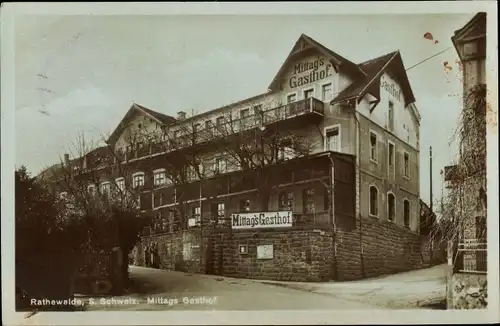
pixel 466 197
pixel 99 193
pixel 198 149
pixel 45 242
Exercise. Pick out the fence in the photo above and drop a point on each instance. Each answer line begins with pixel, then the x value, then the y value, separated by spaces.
pixel 471 256
pixel 100 273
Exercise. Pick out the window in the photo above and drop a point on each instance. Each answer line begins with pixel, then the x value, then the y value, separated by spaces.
pixel 373 147
pixel 245 205
pixel 308 201
pixel 406 212
pixel 63 195
pixel 286 150
pixel 332 138
pixel 191 173
pixel 220 165
pixel 308 93
pixel 244 116
pixel 291 98
pixel 138 180
pixel 245 113
pixel 120 184
pixel 391 116
pixel 259 114
pixel 196 127
pixel 139 145
pixel 219 121
pixel 391 155
pixel 221 214
pixel 159 177
pixel 391 207
pixel 208 124
pixel 326 92
pixel 139 202
pixel 285 201
pixel 470 48
pixel 105 188
pixel 406 166
pixel 176 134
pixel 164 221
pixel 373 201
pixel 91 189
pixel 196 214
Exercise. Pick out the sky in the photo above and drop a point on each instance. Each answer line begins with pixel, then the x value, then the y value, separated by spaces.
pixel 82 73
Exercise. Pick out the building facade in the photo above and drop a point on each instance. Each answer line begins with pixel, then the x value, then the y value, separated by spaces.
pixel 466 181
pixel 315 179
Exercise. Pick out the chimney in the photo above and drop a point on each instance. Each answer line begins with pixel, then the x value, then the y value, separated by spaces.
pixel 66 159
pixel 181 115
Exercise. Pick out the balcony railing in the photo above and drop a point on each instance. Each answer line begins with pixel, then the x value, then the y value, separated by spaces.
pixel 227 128
pixel 472 256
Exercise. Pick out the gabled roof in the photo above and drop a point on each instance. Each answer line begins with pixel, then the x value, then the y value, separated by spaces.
pixel 374 69
pixel 477 25
pixel 162 119
pixel 49 172
pixel 305 43
pixel 371 68
pixel 475 28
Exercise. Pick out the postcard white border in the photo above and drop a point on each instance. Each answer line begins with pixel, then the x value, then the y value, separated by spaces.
pixel 8 11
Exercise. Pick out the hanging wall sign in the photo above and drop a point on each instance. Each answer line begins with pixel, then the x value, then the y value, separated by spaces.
pixel 261 220
pixel 265 252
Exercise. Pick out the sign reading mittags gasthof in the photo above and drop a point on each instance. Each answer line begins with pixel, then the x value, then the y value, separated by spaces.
pixel 262 220
pixel 309 71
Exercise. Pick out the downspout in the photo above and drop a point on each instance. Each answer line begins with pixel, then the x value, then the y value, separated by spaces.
pixel 358 185
pixel 202 253
pixel 331 210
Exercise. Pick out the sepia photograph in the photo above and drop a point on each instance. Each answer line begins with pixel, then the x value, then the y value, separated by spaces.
pixel 187 162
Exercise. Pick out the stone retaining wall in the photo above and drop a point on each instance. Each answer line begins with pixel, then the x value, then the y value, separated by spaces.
pixel 386 248
pixel 298 254
pixel 302 255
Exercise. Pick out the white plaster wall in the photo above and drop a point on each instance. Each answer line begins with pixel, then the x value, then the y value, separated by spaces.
pixel 405 124
pixel 321 65
pixel 148 125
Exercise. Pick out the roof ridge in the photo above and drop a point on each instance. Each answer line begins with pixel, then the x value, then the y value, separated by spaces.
pixel 379 57
pixel 342 58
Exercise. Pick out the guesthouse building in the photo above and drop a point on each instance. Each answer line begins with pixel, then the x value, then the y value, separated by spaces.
pixel 315 179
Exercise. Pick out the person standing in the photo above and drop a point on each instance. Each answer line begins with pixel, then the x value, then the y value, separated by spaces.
pixel 152 254
pixel 146 256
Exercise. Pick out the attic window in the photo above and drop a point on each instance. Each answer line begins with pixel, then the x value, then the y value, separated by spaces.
pixel 139 126
pixel 470 48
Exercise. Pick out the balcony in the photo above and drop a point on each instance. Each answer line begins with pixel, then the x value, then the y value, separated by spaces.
pixel 291 114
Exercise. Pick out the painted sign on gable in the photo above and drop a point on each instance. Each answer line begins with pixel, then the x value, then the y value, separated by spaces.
pixel 309 71
pixel 390 86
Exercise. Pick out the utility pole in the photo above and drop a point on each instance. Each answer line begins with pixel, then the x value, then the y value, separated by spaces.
pixel 430 175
